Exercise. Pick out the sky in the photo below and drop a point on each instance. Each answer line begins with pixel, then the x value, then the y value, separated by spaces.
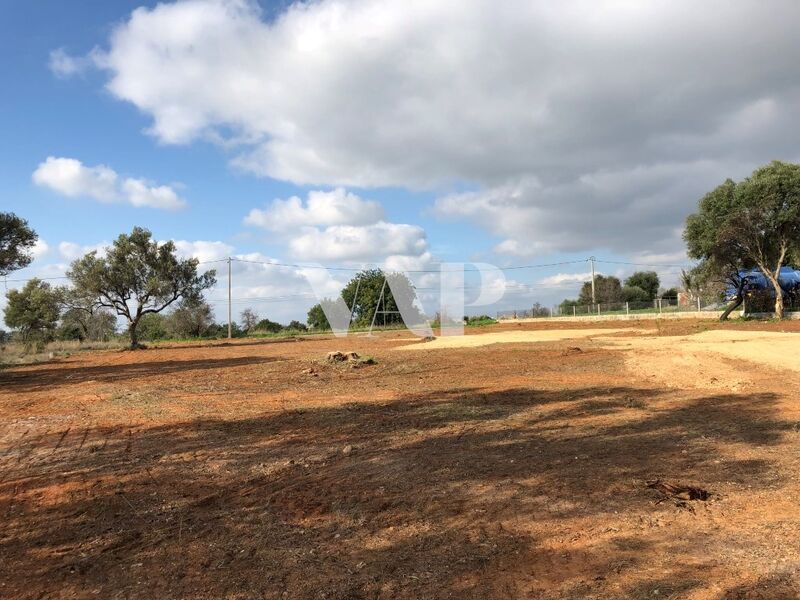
pixel 396 134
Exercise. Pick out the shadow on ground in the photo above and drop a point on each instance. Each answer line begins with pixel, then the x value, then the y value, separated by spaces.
pixel 466 494
pixel 38 378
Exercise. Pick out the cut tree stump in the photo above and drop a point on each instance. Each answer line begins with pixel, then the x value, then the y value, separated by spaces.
pixel 679 492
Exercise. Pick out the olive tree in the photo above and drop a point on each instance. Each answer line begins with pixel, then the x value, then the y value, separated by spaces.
pixel 138 276
pixel 768 216
pixel 249 319
pixel 34 311
pixel 16 242
pixel 192 318
pixel 608 289
pixel 645 280
pixel 752 223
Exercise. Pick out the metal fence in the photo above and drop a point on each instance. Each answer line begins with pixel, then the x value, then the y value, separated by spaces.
pixel 756 304
pixel 657 306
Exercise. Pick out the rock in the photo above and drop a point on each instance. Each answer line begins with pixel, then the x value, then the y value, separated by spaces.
pixel 347 450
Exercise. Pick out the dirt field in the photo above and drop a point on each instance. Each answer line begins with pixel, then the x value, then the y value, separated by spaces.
pixel 516 469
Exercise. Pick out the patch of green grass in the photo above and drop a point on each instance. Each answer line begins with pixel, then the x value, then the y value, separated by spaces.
pixel 480 321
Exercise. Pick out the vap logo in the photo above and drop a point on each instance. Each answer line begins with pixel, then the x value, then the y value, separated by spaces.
pixel 453 292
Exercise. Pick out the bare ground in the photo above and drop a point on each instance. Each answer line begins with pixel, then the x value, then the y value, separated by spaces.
pixel 510 470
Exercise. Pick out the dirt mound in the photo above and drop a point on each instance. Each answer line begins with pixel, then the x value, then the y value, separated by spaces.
pixel 336 356
pixel 352 358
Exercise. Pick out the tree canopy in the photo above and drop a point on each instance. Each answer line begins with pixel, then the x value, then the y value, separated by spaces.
pixel 752 223
pixel 316 317
pixel 138 276
pixel 633 293
pixel 249 319
pixel 192 317
pixel 34 311
pixel 645 280
pixel 362 294
pixel 608 289
pixel 16 242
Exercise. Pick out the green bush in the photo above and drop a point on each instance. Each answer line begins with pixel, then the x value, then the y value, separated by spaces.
pixel 633 293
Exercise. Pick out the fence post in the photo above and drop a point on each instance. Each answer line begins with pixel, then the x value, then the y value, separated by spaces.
pixel 574 311
pixel 659 306
pixel 627 308
pixel 698 304
pixel 598 308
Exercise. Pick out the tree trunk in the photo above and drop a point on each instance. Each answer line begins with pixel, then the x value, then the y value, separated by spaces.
pixel 778 296
pixel 779 303
pixel 736 301
pixel 133 335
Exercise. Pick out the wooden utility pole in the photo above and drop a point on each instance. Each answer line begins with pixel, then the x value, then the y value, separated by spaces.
pixel 591 260
pixel 230 319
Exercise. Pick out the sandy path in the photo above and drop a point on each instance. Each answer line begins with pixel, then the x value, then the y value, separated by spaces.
pixel 769 348
pixel 513 337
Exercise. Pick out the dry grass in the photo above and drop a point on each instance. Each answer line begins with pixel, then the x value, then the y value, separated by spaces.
pixel 15 353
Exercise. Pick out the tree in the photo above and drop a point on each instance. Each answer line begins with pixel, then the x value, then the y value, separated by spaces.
pixel 689 283
pixel 34 311
pixel 83 318
pixel 192 318
pixel 753 223
pixel 296 326
pixel 646 280
pixel 363 295
pixel 317 319
pixel 537 310
pixel 268 326
pixel 138 276
pixel 16 242
pixel 152 326
pixel 608 289
pixel 710 238
pixel 77 324
pixel 633 293
pixel 249 319
pixel 567 305
pixel 670 293
pixel 768 215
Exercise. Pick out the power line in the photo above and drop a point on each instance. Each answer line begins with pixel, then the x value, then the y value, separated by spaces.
pixel 529 288
pixel 638 264
pixel 357 269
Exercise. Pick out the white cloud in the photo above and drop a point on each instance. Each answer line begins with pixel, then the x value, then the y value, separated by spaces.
pixel 140 192
pixel 338 226
pixel 337 207
pixel 622 113
pixel 636 210
pixel 70 177
pixel 64 65
pixel 203 250
pixel 562 278
pixel 40 249
pixel 71 251
pixel 349 243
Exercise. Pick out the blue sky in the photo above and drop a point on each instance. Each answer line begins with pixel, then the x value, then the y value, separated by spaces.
pixel 519 139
